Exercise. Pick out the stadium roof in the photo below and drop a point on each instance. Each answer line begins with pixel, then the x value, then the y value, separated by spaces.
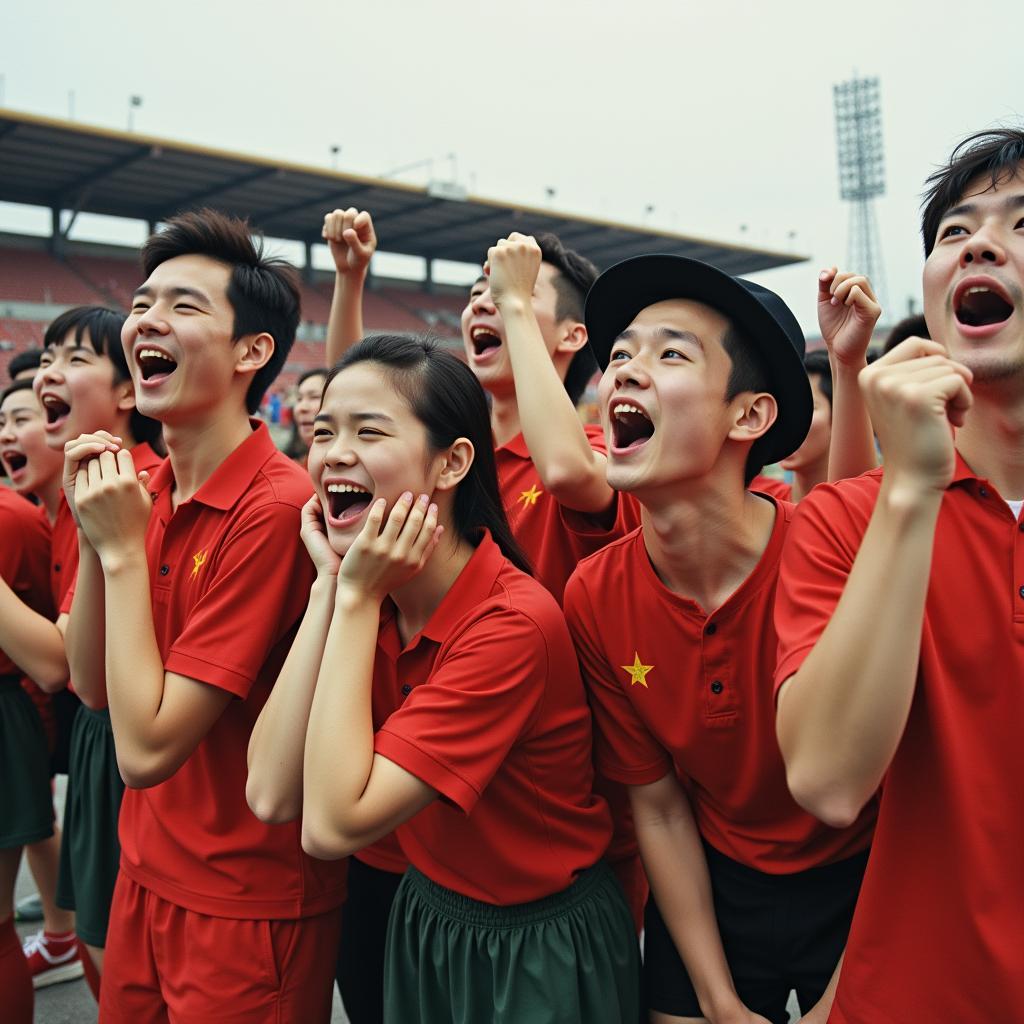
pixel 70 166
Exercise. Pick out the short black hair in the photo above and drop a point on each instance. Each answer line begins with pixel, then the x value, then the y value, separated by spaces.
pixel 263 290
pixel 26 360
pixel 748 373
pixel 295 449
pixel 991 154
pixel 103 326
pixel 575 276
pixel 817 364
pixel 16 385
pixel 913 326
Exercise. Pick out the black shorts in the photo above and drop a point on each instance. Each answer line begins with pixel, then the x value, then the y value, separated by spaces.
pixel 780 933
pixel 364 928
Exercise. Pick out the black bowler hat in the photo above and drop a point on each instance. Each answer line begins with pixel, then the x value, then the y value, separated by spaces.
pixel 625 289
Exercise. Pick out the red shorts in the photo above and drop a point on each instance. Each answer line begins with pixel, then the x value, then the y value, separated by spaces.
pixel 167 965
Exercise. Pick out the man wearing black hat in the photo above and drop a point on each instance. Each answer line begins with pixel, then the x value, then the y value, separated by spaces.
pixel 751 896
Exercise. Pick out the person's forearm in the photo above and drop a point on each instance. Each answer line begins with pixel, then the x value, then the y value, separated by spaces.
pixel 339 737
pixel 345 323
pixel 135 670
pixel 852 447
pixel 85 628
pixel 572 472
pixel 678 873
pixel 840 717
pixel 32 642
pixel 277 744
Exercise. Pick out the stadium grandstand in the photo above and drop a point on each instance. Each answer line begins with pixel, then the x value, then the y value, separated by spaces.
pixel 69 169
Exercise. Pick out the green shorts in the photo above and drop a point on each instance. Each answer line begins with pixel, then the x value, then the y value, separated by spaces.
pixel 90 853
pixel 26 802
pixel 564 959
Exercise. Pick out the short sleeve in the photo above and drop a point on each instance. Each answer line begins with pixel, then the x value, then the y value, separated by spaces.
pixel 624 749
pixel 455 730
pixel 25 550
pixel 819 552
pixel 258 590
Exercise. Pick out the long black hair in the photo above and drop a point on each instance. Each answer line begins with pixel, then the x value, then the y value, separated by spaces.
pixel 448 400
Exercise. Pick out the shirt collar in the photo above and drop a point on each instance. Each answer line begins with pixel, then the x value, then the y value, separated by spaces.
pixel 517 446
pixel 231 479
pixel 473 587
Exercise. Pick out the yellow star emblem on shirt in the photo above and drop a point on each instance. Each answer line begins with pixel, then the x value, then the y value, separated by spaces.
pixel 637 671
pixel 530 497
pixel 198 561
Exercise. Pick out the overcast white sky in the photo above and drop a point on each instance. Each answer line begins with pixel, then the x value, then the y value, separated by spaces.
pixel 716 114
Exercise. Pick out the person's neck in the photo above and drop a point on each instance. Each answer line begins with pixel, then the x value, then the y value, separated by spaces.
pixel 49 496
pixel 706 538
pixel 808 477
pixel 505 422
pixel 418 599
pixel 991 440
pixel 197 447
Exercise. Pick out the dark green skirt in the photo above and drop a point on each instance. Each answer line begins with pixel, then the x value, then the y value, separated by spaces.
pixel 26 802
pixel 569 958
pixel 89 852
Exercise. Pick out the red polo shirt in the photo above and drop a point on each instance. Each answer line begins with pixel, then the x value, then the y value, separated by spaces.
pixel 489 709
pixel 63 554
pixel 676 688
pixel 769 485
pixel 938 931
pixel 24 559
pixel 555 538
pixel 229 578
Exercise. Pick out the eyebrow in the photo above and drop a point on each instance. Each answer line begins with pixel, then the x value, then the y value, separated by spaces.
pixel 669 333
pixel 76 347
pixel 1010 203
pixel 359 417
pixel 176 293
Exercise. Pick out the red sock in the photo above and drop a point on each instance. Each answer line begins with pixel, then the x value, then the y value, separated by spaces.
pixel 92 976
pixel 15 978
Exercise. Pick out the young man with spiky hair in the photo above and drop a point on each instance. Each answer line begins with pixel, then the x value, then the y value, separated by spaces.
pixel 900 612
pixel 751 896
pixel 195 575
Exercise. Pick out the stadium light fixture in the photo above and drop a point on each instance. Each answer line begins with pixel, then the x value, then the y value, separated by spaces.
pixel 134 102
pixel 860 152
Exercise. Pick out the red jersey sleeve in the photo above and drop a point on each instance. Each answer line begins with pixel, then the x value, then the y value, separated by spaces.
pixel 819 552
pixel 259 588
pixel 454 731
pixel 624 749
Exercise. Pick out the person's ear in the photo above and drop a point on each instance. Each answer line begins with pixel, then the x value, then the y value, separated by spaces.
pixel 124 395
pixel 253 352
pixel 754 414
pixel 456 461
pixel 574 337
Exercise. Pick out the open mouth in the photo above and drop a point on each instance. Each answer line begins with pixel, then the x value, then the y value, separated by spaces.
pixel 483 340
pixel 346 503
pixel 631 427
pixel 14 463
pixel 56 409
pixel 155 365
pixel 979 306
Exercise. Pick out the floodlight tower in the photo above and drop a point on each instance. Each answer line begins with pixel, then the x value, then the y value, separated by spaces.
pixel 858 108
